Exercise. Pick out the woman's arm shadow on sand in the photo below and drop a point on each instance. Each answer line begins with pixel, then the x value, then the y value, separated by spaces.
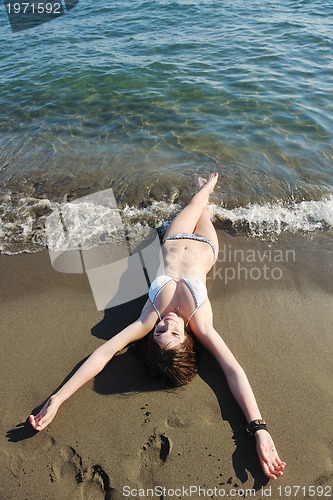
pixel 125 373
pixel 245 457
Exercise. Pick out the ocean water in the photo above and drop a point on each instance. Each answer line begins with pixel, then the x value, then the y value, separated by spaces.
pixel 145 97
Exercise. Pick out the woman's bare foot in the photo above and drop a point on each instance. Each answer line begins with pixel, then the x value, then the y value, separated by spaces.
pixel 46 414
pixel 270 461
pixel 208 183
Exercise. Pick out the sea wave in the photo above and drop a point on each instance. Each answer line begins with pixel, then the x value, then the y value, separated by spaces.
pixel 24 221
pixel 261 220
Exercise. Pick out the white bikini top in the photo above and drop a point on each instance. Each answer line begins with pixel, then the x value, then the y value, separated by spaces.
pixel 196 287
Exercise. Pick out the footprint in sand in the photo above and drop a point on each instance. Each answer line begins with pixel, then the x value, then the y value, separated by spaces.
pixel 154 453
pixel 78 481
pixel 156 450
pixel 26 453
pixel 175 422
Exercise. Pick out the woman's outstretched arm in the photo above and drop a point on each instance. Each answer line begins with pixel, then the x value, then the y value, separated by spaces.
pixel 202 327
pixel 93 365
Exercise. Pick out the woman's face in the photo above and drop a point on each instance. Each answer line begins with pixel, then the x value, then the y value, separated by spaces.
pixel 170 331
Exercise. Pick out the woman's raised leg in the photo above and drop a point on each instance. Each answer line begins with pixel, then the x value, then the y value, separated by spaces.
pixel 187 220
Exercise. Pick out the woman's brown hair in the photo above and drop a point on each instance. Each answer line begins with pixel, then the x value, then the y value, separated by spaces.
pixel 176 366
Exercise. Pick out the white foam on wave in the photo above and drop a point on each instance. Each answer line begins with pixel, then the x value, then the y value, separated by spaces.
pixel 80 226
pixel 157 213
pixel 260 220
pixel 83 225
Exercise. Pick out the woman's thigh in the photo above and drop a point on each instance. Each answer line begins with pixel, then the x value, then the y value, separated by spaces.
pixel 186 221
pixel 206 229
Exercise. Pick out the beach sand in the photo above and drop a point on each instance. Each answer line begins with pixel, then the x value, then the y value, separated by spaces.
pixel 121 431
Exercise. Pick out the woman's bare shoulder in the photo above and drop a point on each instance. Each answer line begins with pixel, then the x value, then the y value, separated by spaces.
pixel 202 320
pixel 148 315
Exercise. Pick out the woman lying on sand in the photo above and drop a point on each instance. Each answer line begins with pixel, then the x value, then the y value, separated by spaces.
pixel 178 307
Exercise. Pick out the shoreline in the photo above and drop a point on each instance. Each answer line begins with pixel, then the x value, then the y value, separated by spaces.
pixel 26 220
pixel 121 429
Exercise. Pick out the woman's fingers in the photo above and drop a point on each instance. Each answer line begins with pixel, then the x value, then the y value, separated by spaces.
pixel 46 414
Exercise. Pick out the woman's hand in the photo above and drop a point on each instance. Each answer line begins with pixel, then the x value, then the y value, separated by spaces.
pixel 270 461
pixel 46 414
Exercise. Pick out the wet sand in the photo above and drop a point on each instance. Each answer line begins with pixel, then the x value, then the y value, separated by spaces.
pixel 121 432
